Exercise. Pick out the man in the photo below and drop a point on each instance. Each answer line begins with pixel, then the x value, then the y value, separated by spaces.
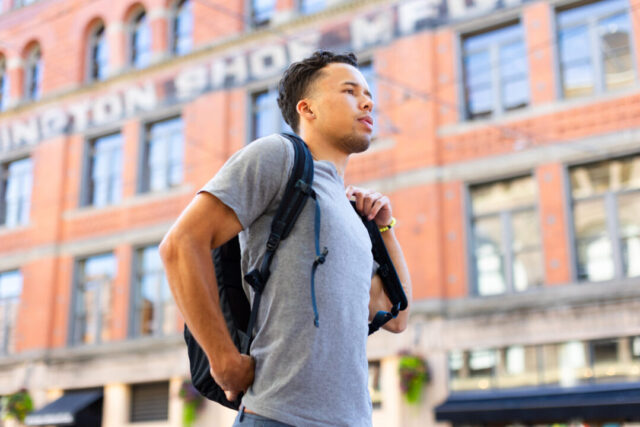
pixel 299 373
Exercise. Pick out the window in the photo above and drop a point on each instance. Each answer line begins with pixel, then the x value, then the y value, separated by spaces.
pixel 265 115
pixel 262 11
pixel 10 290
pixel 367 70
pixel 375 390
pixel 163 155
pixel 182 28
pixel 606 202
pixel 15 189
pixel 506 237
pixel 155 311
pixel 149 402
pixel 495 72
pixel 140 41
pixel 594 44
pixel 104 179
pixel 98 55
pixel 33 77
pixel 4 84
pixel 93 313
pixel 312 6
pixel 565 364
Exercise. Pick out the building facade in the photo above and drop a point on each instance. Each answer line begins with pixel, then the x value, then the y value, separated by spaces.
pixel 507 137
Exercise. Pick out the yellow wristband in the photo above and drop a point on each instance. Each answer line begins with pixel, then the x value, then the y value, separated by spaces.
pixel 388 227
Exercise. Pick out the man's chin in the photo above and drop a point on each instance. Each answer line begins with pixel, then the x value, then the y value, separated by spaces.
pixel 357 143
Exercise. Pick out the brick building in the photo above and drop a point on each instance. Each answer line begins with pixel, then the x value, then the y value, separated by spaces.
pixel 507 136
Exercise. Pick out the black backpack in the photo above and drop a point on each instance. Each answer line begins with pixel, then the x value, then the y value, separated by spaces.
pixel 239 314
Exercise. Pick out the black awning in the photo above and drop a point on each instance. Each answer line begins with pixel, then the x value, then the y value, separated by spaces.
pixel 67 410
pixel 593 402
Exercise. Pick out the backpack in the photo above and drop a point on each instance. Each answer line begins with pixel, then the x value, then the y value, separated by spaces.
pixel 239 314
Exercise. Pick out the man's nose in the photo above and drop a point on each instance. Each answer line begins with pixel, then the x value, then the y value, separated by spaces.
pixel 367 104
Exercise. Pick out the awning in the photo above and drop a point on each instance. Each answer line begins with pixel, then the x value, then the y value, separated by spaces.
pixel 67 410
pixel 593 402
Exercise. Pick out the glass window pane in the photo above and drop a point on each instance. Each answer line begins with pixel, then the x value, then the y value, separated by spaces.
pixel 94 307
pixel 18 192
pixel 478 83
pixel 595 258
pixel 615 43
pixel 10 285
pixel 606 359
pixel 157 313
pixel 528 270
pixel 482 364
pixel 489 256
pixel 262 11
pixel 312 6
pixel 106 170
pixel 141 42
pixel 609 175
pixel 99 55
pixel 183 28
pixel 503 195
pixel 520 367
pixel 629 223
pixel 575 59
pixel 525 230
pixel 267 118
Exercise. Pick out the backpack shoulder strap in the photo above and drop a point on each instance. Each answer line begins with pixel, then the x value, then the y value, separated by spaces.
pixel 297 192
pixel 387 272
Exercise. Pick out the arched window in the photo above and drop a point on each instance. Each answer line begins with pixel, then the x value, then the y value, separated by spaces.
pixel 182 28
pixel 139 41
pixel 98 54
pixel 4 84
pixel 33 74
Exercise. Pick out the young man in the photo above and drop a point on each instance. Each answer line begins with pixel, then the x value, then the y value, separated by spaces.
pixel 299 373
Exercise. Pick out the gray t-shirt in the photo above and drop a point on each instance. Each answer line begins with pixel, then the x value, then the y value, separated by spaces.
pixel 305 376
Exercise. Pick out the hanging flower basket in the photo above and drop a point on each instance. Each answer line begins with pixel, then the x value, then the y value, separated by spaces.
pixel 193 401
pixel 17 405
pixel 414 375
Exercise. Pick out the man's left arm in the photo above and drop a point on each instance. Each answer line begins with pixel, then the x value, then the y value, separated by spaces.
pixel 378 208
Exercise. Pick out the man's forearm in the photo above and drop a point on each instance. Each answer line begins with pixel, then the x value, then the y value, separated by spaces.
pixel 397 257
pixel 193 283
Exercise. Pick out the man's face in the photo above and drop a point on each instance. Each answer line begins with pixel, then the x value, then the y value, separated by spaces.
pixel 342 105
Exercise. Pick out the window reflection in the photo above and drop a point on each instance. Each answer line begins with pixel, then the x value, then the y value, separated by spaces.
pixel 594 47
pixel 606 199
pixel 507 246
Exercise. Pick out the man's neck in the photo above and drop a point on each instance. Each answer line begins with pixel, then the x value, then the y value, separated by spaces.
pixel 321 149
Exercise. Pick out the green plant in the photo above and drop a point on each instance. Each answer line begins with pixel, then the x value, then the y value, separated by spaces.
pixel 193 401
pixel 17 405
pixel 414 374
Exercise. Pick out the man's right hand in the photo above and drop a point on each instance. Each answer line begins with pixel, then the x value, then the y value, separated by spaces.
pixel 234 374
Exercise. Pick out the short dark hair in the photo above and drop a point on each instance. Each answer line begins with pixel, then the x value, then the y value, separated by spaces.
pixel 298 78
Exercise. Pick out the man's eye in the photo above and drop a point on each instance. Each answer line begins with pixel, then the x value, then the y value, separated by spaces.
pixel 349 91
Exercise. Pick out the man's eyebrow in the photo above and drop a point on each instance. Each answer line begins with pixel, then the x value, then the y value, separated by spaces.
pixel 350 83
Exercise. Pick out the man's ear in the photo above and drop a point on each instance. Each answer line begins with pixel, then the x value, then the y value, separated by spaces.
pixel 304 108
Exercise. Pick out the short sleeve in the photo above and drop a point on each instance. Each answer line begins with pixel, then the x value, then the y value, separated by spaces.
pixel 252 178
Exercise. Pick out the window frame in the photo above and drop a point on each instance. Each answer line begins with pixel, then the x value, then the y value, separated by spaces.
pixel 33 74
pixel 9 330
pixel 137 23
pixel 611 220
pixel 252 94
pixel 173 33
pixel 506 234
pixel 595 53
pixel 96 36
pixel 4 183
pixel 136 275
pixel 77 294
pixel 87 186
pixel 498 109
pixel 4 84
pixel 254 24
pixel 144 175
